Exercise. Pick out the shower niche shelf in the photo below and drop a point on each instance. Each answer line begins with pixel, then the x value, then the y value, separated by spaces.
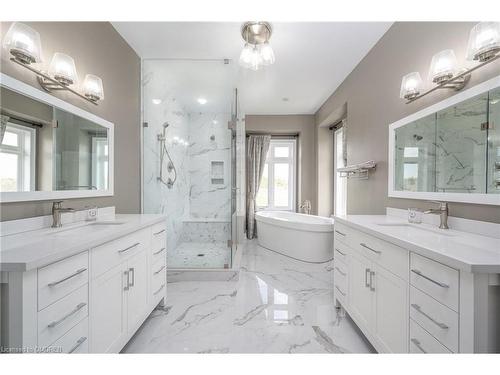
pixel 217 172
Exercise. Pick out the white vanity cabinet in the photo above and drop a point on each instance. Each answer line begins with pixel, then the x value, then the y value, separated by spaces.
pixel 93 301
pixel 405 302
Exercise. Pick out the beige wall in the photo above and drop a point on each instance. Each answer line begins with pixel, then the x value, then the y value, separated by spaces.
pixel 371 93
pixel 97 48
pixel 297 124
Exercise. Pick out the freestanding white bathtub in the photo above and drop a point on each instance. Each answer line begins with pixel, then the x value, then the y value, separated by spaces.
pixel 304 237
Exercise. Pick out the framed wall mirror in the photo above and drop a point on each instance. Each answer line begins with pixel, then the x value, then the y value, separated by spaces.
pixel 50 149
pixel 449 151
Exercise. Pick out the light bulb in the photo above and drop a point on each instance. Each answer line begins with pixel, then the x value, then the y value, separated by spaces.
pixel 256 59
pixel 484 41
pixel 443 66
pixel 267 54
pixel 92 87
pixel 410 86
pixel 246 56
pixel 62 68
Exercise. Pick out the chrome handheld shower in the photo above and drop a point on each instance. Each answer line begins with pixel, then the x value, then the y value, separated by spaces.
pixel 170 165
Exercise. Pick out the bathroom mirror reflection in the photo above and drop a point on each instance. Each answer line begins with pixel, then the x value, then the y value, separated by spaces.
pixel 45 149
pixel 451 150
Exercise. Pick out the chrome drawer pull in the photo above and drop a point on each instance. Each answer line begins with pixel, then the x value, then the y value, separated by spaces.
pixel 440 325
pixel 342 234
pixel 372 288
pixel 340 252
pixel 161 269
pixel 341 292
pixel 126 287
pixel 81 270
pixel 159 290
pixel 159 251
pixel 369 248
pixel 130 247
pixel 78 307
pixel 418 345
pixel 342 273
pixel 160 232
pixel 131 271
pixel 442 285
pixel 367 271
pixel 79 342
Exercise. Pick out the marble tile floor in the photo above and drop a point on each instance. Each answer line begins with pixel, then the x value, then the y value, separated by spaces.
pixel 200 255
pixel 278 305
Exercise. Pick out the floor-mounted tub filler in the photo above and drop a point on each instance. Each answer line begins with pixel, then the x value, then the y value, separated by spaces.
pixel 304 237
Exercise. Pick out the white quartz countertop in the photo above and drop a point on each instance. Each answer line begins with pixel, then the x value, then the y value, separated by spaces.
pixel 461 250
pixel 37 248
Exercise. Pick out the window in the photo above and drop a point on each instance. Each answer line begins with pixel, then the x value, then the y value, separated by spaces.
pixel 17 158
pixel 277 187
pixel 340 201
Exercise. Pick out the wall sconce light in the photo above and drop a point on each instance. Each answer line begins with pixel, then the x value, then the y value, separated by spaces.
pixel 24 45
pixel 410 86
pixel 484 46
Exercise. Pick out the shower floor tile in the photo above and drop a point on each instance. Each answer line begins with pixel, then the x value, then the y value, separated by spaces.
pixel 200 255
pixel 278 305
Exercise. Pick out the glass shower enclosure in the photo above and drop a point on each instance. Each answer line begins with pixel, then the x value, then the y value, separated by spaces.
pixel 189 158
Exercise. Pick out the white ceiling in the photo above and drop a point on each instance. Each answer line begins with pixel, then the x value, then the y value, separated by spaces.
pixel 312 59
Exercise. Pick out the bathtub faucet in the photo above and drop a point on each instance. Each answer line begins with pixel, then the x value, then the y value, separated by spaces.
pixel 306 207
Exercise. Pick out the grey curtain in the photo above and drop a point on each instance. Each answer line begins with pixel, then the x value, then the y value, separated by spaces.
pixel 257 147
pixel 3 126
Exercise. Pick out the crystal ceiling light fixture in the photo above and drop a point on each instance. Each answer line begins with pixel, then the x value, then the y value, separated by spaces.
pixel 23 44
pixel 483 47
pixel 257 51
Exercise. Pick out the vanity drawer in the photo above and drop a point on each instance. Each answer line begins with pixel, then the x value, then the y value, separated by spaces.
pixel 437 280
pixel 109 255
pixel 340 280
pixel 437 319
pixel 422 342
pixel 159 237
pixel 391 257
pixel 340 252
pixel 158 254
pixel 59 279
pixel 341 233
pixel 57 319
pixel 76 340
pixel 159 283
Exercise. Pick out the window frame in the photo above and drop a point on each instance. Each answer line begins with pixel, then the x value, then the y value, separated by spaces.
pixel 340 183
pixel 291 160
pixel 26 152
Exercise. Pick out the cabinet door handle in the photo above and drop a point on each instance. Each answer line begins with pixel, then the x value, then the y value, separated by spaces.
pixel 341 292
pixel 159 251
pixel 367 271
pixel 372 288
pixel 160 232
pixel 159 290
pixel 442 285
pixel 78 307
pixel 131 271
pixel 128 248
pixel 78 272
pixel 79 342
pixel 342 234
pixel 440 325
pixel 418 345
pixel 126 287
pixel 338 269
pixel 369 248
pixel 161 269
pixel 340 252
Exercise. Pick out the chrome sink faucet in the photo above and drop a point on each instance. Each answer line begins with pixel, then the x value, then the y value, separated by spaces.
pixel 442 211
pixel 57 209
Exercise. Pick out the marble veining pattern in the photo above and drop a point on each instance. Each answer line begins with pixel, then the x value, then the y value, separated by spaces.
pixel 200 255
pixel 278 305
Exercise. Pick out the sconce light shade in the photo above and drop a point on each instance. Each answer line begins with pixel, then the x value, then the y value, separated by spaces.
pixel 23 42
pixel 267 54
pixel 255 59
pixel 246 56
pixel 92 87
pixel 62 68
pixel 410 86
pixel 443 66
pixel 484 41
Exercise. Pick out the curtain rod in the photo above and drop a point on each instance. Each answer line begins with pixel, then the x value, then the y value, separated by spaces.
pixel 337 125
pixel 292 135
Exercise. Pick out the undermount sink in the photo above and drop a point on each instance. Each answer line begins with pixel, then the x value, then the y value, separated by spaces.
pixel 406 226
pixel 87 228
